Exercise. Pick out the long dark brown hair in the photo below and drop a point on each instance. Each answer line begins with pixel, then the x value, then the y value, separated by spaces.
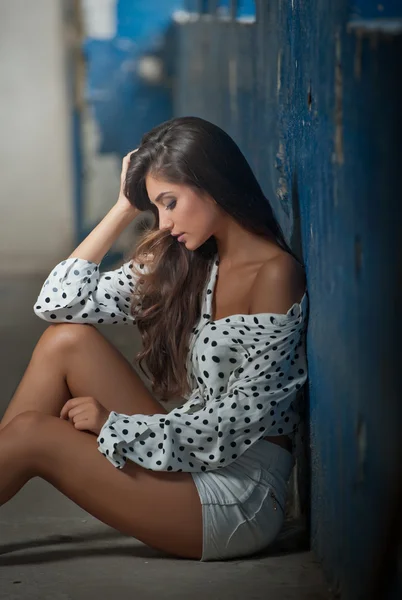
pixel 196 153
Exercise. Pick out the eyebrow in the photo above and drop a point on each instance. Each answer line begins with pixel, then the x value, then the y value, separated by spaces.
pixel 159 197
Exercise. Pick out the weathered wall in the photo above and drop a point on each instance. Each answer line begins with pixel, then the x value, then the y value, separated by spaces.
pixel 310 94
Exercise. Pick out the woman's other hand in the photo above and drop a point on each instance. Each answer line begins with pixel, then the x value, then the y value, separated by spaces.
pixel 85 413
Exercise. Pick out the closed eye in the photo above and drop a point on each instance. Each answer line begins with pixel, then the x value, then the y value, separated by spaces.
pixel 171 205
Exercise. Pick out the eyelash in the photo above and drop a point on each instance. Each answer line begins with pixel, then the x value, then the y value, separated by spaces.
pixel 171 205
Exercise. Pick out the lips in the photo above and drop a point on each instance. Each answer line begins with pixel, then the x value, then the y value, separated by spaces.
pixel 181 237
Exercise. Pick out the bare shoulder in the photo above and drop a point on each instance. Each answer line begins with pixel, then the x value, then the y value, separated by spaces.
pixel 279 283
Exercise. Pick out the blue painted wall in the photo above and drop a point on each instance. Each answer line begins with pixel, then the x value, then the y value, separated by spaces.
pixel 309 92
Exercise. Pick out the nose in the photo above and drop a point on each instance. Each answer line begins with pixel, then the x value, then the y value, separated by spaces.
pixel 165 223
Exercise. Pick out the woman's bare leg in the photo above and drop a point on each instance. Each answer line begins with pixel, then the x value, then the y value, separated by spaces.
pixel 160 509
pixel 72 360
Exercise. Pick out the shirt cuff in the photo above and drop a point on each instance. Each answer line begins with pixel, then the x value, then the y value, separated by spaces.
pixel 117 437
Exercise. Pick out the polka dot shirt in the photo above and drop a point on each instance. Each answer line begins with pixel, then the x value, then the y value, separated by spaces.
pixel 245 372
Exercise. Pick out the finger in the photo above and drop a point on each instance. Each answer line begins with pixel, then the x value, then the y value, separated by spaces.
pixel 128 156
pixel 72 403
pixel 67 406
pixel 64 412
pixel 82 425
pixel 78 410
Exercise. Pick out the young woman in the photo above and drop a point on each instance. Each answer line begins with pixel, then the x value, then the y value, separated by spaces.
pixel 220 302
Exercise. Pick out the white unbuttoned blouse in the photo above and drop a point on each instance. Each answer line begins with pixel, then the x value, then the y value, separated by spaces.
pixel 245 371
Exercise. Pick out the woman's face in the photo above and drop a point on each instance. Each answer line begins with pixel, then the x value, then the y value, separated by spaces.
pixel 183 211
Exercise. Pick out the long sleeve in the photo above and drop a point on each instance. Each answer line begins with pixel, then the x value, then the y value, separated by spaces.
pixel 255 403
pixel 76 292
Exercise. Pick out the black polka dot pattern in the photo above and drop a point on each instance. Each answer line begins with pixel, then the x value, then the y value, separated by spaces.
pixel 76 292
pixel 245 371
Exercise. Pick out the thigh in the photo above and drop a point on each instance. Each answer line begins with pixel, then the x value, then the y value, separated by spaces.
pixel 94 367
pixel 161 509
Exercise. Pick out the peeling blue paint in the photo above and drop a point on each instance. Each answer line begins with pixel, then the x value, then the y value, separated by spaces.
pixel 315 108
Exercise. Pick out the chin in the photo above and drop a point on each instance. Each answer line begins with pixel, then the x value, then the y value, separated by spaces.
pixel 192 246
pixel 189 246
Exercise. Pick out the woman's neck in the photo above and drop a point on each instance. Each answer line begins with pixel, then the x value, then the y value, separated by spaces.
pixel 238 246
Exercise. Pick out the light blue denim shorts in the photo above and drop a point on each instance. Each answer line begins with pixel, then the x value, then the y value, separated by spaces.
pixel 243 504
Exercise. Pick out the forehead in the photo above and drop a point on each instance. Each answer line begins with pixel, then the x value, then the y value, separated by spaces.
pixel 158 186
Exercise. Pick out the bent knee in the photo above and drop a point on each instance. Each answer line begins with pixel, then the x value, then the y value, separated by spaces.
pixel 36 436
pixel 62 337
pixel 26 422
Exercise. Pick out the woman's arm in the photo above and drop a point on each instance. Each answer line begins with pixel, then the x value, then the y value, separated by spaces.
pixel 75 291
pixel 101 239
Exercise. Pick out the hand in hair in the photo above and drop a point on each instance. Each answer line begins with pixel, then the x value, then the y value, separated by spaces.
pixel 122 200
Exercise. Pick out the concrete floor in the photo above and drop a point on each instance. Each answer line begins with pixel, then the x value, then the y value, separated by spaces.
pixel 50 549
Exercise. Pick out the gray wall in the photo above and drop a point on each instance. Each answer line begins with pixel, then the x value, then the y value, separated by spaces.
pixel 36 224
